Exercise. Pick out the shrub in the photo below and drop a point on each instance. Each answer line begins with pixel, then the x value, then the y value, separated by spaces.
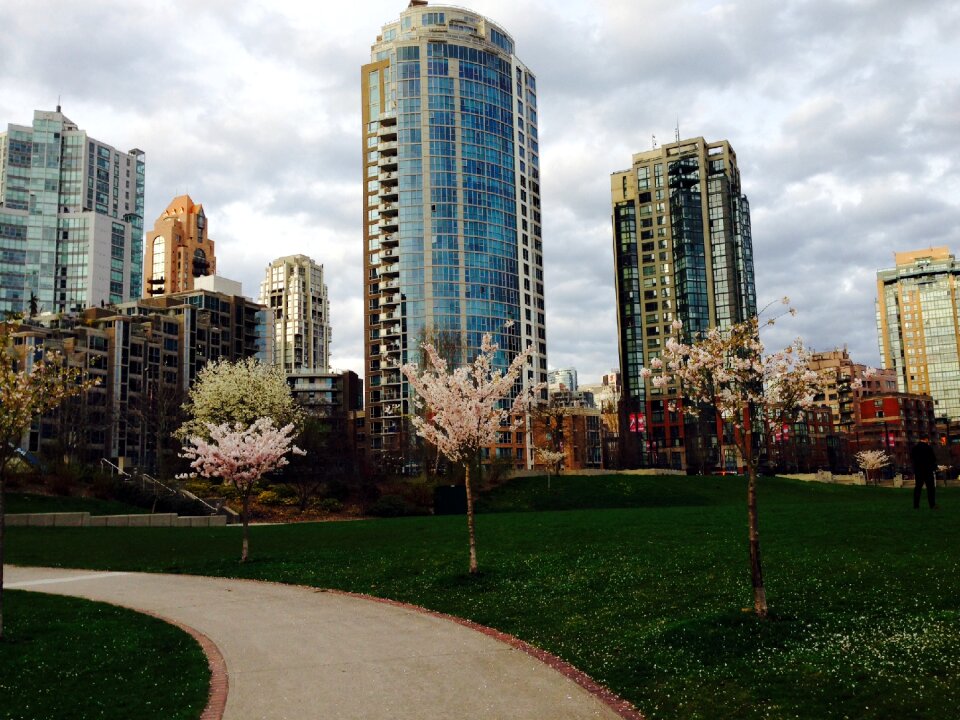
pixel 330 505
pixel 269 497
pixel 391 506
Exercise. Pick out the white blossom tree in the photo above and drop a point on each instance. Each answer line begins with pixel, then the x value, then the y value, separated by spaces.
pixel 26 393
pixel 238 392
pixel 750 390
pixel 241 456
pixel 553 459
pixel 465 409
pixel 870 460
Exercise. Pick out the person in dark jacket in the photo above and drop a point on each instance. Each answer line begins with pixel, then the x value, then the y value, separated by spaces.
pixel 924 473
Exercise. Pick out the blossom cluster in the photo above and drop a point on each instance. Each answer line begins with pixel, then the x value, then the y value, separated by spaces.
pixel 872 459
pixel 730 371
pixel 241 455
pixel 465 407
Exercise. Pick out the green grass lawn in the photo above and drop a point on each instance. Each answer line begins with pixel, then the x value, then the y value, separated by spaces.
pixel 643 586
pixel 27 503
pixel 68 658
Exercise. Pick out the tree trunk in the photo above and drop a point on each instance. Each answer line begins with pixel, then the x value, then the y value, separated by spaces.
pixel 756 568
pixel 3 527
pixel 245 552
pixel 470 528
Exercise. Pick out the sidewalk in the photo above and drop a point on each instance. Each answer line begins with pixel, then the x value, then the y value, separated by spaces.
pixel 299 653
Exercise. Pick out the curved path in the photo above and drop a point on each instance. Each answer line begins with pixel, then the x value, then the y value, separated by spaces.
pixel 297 652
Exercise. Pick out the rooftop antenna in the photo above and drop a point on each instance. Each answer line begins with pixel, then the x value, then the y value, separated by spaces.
pixel 678 128
pixel 58 103
pixel 654 141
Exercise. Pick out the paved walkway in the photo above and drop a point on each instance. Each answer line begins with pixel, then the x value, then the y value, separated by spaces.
pixel 295 652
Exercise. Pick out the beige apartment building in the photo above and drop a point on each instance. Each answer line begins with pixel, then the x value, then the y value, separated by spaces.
pixel 918 321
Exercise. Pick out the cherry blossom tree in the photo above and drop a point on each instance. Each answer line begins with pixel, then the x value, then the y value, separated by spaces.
pixel 553 459
pixel 238 392
pixel 466 409
pixel 241 456
pixel 25 393
pixel 871 460
pixel 750 390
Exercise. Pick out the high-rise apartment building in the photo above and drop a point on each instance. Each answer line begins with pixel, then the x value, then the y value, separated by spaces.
pixel 918 319
pixel 298 314
pixel 567 377
pixel 178 249
pixel 452 227
pixel 683 251
pixel 71 218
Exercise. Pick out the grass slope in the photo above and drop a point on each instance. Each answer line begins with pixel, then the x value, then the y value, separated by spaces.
pixel 642 586
pixel 95 661
pixel 27 503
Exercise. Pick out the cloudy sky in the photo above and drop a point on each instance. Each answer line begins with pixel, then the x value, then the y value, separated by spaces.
pixel 845 115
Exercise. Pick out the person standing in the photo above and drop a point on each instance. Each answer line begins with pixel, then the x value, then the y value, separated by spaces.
pixel 924 472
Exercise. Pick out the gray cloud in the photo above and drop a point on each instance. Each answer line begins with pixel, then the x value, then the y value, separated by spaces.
pixel 845 117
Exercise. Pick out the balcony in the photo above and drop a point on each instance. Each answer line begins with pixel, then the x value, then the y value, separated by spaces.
pixel 389 209
pixel 388 225
pixel 391 331
pixel 390 284
pixel 392 240
pixel 388 119
pixel 388 178
pixel 389 194
pixel 387 162
pixel 387 132
pixel 387 148
pixel 390 300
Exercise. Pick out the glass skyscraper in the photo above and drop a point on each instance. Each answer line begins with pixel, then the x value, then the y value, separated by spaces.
pixel 71 218
pixel 683 251
pixel 452 228
pixel 918 319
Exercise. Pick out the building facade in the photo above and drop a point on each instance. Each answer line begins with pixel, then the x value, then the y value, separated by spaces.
pixel 918 321
pixel 567 377
pixel 298 314
pixel 452 225
pixel 894 423
pixel 146 355
pixel 683 251
pixel 845 383
pixel 71 218
pixel 178 249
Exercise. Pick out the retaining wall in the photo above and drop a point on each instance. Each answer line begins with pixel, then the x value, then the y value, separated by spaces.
pixel 85 519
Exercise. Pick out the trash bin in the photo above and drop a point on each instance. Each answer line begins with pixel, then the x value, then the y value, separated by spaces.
pixel 450 500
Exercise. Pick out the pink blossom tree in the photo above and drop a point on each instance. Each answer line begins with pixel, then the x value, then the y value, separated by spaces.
pixel 466 409
pixel 26 391
pixel 752 391
pixel 241 457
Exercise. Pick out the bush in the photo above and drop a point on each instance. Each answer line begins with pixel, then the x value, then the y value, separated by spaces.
pixel 330 505
pixel 391 506
pixel 269 497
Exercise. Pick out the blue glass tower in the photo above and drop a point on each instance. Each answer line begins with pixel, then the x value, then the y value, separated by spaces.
pixel 452 229
pixel 71 218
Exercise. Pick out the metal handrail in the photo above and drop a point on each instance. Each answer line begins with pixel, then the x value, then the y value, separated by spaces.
pixel 145 478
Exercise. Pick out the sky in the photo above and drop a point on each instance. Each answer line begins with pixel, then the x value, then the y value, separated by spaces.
pixel 844 114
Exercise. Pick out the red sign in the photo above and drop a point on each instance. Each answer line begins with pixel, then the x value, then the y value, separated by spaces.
pixel 638 423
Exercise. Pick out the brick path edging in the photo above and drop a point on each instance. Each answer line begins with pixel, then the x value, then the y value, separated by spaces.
pixel 217 694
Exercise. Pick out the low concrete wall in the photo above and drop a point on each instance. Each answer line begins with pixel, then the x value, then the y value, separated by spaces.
pixel 84 519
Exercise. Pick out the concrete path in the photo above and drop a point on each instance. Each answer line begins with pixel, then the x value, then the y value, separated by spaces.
pixel 300 653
